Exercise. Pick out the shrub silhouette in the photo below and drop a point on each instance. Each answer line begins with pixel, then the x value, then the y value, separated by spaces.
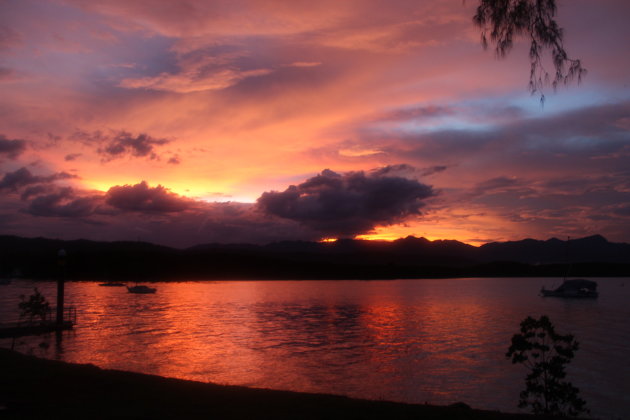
pixel 546 353
pixel 35 307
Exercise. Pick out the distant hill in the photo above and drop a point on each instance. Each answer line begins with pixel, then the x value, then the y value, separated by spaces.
pixel 409 257
pixel 590 249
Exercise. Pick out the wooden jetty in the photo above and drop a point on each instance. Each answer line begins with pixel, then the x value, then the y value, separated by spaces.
pixel 65 319
pixel 46 325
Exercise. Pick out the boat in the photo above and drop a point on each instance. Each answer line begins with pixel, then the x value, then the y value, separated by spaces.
pixel 5 282
pixel 573 288
pixel 111 284
pixel 141 289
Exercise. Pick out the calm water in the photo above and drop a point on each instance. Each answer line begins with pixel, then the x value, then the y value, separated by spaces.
pixel 438 341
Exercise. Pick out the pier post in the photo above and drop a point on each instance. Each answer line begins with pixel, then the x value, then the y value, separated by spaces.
pixel 61 260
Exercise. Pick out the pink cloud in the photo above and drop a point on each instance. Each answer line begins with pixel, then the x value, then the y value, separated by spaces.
pixel 192 80
pixel 241 97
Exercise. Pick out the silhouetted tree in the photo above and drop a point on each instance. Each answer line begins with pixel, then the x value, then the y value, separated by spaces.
pixel 35 307
pixel 503 20
pixel 546 353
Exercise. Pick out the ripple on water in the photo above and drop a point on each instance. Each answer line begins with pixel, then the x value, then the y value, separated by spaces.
pixel 438 341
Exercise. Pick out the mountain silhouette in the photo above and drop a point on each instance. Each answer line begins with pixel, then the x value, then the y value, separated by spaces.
pixel 590 249
pixel 408 257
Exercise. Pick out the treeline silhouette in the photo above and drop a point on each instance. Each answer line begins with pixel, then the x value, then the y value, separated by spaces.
pixel 345 259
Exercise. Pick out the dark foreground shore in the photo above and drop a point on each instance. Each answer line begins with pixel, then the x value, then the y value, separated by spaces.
pixel 37 388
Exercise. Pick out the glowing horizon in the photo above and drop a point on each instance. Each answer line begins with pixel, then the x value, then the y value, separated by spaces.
pixel 199 124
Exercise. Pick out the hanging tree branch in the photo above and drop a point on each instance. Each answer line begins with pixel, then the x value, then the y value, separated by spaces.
pixel 503 20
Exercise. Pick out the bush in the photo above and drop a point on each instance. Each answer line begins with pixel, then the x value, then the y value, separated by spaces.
pixel 35 307
pixel 546 353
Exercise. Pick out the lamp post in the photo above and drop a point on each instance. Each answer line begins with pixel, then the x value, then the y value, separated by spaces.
pixel 61 261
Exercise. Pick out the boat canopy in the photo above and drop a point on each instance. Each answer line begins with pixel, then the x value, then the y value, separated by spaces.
pixel 577 284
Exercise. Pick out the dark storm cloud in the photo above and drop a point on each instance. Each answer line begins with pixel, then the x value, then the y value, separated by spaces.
pixel 407 171
pixel 125 143
pixel 72 156
pixel 15 180
pixel 118 144
pixel 63 203
pixel 347 204
pixel 22 177
pixel 241 223
pixel 34 191
pixel 228 222
pixel 73 214
pixel 142 198
pixel 66 202
pixel 11 148
pixel 395 170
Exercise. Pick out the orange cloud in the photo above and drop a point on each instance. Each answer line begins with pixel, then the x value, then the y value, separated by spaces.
pixel 224 100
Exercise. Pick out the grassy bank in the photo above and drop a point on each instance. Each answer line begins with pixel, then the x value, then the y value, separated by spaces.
pixel 38 388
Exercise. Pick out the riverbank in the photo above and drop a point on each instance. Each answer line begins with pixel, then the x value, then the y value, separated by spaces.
pixel 37 388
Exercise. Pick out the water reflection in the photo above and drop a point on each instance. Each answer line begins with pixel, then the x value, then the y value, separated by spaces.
pixel 439 341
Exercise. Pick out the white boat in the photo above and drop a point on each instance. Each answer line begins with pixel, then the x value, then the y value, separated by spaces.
pixel 574 288
pixel 141 289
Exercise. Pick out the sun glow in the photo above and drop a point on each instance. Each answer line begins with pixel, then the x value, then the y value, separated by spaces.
pixel 429 231
pixel 380 236
pixel 200 191
pixel 327 240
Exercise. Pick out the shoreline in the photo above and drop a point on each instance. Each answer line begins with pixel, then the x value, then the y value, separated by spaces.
pixel 31 387
pixel 126 282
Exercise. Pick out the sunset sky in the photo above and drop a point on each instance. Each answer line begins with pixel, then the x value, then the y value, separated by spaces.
pixel 187 122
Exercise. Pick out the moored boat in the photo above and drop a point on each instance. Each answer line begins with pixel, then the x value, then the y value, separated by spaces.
pixel 141 289
pixel 574 288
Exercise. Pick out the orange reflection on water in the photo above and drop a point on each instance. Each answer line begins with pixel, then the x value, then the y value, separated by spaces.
pixel 418 337
pixel 374 339
pixel 439 341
